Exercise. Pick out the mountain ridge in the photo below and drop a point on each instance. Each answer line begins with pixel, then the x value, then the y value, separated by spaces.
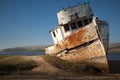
pixel 25 48
pixel 113 47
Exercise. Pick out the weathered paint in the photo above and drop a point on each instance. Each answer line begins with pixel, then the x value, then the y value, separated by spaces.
pixel 72 13
pixel 58 34
pixel 87 43
pixel 104 33
pixel 81 36
pixel 88 53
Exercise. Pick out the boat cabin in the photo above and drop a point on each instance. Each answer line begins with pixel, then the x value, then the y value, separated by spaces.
pixel 70 20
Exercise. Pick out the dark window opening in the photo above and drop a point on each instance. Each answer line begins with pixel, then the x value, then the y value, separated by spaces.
pixel 90 20
pixel 54 34
pixel 72 17
pixel 79 23
pixel 66 27
pixel 86 22
pixel 73 26
pixel 76 15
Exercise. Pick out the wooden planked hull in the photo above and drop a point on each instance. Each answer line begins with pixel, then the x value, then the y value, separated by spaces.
pixel 84 45
pixel 93 54
pixel 88 51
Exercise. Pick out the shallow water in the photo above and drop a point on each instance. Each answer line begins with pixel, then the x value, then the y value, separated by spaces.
pixel 113 56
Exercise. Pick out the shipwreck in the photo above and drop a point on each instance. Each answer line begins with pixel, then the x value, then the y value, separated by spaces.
pixel 80 37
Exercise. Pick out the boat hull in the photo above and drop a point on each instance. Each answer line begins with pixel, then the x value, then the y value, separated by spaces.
pixel 79 37
pixel 84 45
pixel 91 53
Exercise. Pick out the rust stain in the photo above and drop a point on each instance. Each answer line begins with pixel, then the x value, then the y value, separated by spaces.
pixel 87 42
pixel 76 38
pixel 73 40
pixel 84 53
pixel 89 54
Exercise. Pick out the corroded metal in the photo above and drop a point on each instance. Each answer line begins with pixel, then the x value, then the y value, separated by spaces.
pixel 88 53
pixel 92 50
pixel 87 43
pixel 81 36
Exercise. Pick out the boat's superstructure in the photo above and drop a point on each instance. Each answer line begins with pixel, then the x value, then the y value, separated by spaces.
pixel 80 36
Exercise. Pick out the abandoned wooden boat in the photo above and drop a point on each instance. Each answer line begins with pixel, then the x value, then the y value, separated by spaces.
pixel 80 37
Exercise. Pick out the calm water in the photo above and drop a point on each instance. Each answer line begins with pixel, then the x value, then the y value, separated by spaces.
pixel 111 56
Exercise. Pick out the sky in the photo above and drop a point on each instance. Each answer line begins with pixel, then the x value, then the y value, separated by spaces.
pixel 28 22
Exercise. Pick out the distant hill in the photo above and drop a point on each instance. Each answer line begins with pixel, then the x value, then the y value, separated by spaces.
pixel 25 48
pixel 114 47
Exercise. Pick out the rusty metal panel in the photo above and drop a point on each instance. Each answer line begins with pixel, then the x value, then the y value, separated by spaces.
pixel 93 50
pixel 81 36
pixel 90 53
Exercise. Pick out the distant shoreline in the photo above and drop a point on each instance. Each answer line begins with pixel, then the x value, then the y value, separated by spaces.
pixel 24 51
pixel 113 48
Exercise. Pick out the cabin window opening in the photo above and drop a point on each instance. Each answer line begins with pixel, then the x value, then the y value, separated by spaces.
pixel 54 34
pixel 73 26
pixel 76 15
pixel 79 23
pixel 90 20
pixel 86 22
pixel 72 17
pixel 66 27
